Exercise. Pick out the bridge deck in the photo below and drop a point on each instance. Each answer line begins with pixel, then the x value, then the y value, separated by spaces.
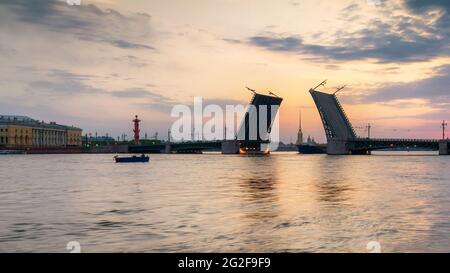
pixel 334 119
pixel 383 143
pixel 177 146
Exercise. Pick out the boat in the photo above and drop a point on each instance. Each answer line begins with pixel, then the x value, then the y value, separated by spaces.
pixel 132 159
pixel 312 148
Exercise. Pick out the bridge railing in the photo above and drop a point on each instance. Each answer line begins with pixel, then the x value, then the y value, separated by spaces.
pixel 345 115
pixel 253 98
pixel 397 140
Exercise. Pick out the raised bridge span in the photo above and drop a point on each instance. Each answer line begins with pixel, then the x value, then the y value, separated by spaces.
pixel 342 139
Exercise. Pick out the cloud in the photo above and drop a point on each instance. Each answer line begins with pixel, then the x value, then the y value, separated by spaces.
pixel 435 89
pixel 153 100
pixel 397 39
pixel 420 5
pixel 83 22
pixel 350 8
pixel 60 83
pixel 132 60
pixel 131 93
pixel 290 43
pixel 55 54
pixel 63 84
pixel 125 44
pixel 442 25
pixel 155 97
pixel 369 44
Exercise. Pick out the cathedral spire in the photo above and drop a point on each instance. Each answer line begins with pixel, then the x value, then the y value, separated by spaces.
pixel 300 132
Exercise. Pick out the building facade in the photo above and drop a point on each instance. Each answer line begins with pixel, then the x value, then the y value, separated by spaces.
pixel 25 132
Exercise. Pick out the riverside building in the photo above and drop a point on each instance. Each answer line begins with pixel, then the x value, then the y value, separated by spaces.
pixel 25 132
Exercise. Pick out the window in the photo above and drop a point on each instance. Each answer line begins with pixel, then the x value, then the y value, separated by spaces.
pixel 1 139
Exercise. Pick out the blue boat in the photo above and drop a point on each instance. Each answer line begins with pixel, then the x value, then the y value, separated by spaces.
pixel 132 159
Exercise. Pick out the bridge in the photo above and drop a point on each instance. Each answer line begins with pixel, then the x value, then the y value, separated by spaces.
pixel 250 139
pixel 342 139
pixel 186 147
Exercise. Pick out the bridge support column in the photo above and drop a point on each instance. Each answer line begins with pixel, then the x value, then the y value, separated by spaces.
pixel 168 148
pixel 444 147
pixel 338 147
pixel 230 147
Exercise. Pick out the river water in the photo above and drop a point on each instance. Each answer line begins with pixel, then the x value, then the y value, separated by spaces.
pixel 225 203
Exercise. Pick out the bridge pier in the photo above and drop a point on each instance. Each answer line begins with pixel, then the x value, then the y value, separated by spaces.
pixel 168 148
pixel 444 147
pixel 230 147
pixel 337 147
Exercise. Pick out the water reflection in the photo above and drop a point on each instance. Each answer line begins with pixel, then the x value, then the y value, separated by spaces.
pixel 260 203
pixel 258 186
pixel 260 179
pixel 333 181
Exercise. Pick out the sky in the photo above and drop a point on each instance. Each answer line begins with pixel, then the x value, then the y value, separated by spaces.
pixel 97 64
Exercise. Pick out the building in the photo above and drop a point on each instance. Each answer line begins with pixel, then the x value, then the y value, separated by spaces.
pixel 25 132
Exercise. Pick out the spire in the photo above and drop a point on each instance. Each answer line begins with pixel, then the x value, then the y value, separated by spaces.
pixel 300 119
pixel 300 132
pixel 443 125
